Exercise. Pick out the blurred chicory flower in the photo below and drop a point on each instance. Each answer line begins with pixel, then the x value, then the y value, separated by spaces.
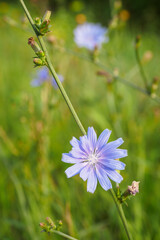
pixel 90 35
pixel 43 76
pixel 94 159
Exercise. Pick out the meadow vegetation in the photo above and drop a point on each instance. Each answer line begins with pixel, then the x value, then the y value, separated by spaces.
pixel 36 127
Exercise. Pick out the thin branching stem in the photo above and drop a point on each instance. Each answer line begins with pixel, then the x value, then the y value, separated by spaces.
pixel 117 78
pixel 122 80
pixel 63 235
pixel 49 64
pixel 143 75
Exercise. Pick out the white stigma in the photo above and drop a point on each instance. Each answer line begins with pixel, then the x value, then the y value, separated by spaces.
pixel 92 159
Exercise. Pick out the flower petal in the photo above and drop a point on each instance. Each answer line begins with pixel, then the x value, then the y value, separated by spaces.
pixel 85 172
pixel 113 164
pixel 92 181
pixel 92 137
pixel 103 178
pixel 110 147
pixel 78 153
pixel 67 158
pixel 115 176
pixel 114 144
pixel 103 139
pixel 74 142
pixel 85 144
pixel 75 169
pixel 114 154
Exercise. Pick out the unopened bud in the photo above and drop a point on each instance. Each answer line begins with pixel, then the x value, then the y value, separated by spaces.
pixel 38 61
pixel 37 21
pixel 42 225
pixel 154 86
pixel 47 15
pixel 102 73
pixel 60 222
pixel 49 220
pixel 34 45
pixel 117 5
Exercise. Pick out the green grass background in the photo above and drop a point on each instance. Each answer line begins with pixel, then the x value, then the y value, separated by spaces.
pixel 36 127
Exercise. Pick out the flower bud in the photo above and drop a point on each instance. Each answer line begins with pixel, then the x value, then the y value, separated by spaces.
pixel 42 225
pixel 34 45
pixel 46 16
pixel 37 21
pixel 38 62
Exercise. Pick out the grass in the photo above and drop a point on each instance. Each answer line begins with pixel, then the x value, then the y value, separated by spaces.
pixel 36 127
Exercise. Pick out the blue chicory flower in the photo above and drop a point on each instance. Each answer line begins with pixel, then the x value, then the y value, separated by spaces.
pixel 94 159
pixel 43 76
pixel 90 35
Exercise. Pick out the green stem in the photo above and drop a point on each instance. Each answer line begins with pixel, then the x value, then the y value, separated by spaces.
pixel 50 66
pixel 64 235
pixel 121 213
pixel 64 94
pixel 141 70
pixel 120 210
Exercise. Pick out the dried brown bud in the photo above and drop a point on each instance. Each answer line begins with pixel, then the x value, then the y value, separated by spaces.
pixel 134 188
pixel 31 41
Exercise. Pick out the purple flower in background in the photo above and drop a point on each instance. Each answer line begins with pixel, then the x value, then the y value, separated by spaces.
pixel 94 159
pixel 43 76
pixel 90 35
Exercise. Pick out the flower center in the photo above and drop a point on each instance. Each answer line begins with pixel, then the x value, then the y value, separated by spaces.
pixel 92 158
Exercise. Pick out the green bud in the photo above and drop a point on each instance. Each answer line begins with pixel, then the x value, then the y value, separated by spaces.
pixel 37 21
pixel 43 225
pixel 40 54
pixel 38 62
pixel 46 16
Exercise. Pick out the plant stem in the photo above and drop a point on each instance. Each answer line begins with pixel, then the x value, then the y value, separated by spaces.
pixel 50 66
pixel 63 235
pixel 64 94
pixel 142 70
pixel 119 207
pixel 121 213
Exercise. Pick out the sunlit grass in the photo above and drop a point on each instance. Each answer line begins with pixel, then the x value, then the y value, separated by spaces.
pixel 36 127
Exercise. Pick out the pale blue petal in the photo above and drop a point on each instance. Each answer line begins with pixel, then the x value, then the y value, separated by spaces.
pixel 92 137
pixel 78 153
pixel 113 164
pixel 90 35
pixel 74 142
pixel 36 82
pixel 103 139
pixel 92 181
pixel 110 147
pixel 43 73
pixel 85 144
pixel 103 178
pixel 67 158
pixel 85 172
pixel 118 153
pixel 114 144
pixel 75 169
pixel 115 176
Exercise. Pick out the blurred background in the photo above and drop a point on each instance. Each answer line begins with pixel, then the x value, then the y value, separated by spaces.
pixel 36 125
